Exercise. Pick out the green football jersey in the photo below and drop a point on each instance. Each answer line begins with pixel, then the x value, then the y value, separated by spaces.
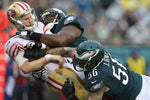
pixel 124 84
pixel 71 20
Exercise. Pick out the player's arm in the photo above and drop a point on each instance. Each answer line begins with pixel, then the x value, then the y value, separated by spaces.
pixel 65 36
pixel 99 94
pixel 27 66
pixel 70 31
pixel 33 51
pixel 63 51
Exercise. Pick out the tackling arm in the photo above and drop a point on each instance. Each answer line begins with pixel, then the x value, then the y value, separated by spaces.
pixel 65 36
pixel 63 51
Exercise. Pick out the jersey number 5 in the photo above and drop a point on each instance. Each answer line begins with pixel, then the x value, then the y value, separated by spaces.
pixel 118 71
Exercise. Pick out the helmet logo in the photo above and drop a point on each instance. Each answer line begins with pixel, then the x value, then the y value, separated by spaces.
pixel 69 19
pixel 87 55
pixel 11 13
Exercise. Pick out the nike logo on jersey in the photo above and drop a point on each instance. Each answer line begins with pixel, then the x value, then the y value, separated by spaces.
pixel 94 81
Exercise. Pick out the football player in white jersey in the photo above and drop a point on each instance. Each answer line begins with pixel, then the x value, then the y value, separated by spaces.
pixel 22 16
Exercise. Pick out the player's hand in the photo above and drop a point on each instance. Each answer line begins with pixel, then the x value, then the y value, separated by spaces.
pixel 33 50
pixel 33 35
pixel 68 90
pixel 33 45
pixel 40 74
pixel 59 59
pixel 34 54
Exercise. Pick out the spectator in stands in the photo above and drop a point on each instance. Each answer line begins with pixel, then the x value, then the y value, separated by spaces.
pixel 136 62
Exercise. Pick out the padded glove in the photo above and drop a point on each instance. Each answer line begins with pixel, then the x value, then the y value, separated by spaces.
pixel 69 90
pixel 40 74
pixel 33 45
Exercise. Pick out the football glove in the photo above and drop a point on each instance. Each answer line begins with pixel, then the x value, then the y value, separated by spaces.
pixel 33 50
pixel 34 54
pixel 69 90
pixel 40 73
pixel 33 45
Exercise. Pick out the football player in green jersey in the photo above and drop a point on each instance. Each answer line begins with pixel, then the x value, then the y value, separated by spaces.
pixel 66 29
pixel 105 75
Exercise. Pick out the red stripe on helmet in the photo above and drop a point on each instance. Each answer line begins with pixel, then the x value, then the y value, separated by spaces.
pixel 25 5
pixel 20 5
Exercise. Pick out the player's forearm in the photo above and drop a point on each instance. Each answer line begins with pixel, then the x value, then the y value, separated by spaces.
pixel 63 51
pixel 51 40
pixel 99 94
pixel 33 65
pixel 94 97
pixel 56 40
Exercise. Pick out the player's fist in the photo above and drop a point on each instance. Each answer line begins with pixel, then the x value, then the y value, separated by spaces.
pixel 33 45
pixel 69 90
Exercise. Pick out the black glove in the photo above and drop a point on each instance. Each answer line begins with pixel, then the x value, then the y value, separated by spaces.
pixel 34 35
pixel 34 54
pixel 40 74
pixel 69 90
pixel 33 50
pixel 33 45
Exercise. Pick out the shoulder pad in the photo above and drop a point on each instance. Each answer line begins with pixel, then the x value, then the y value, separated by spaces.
pixel 69 19
pixel 72 20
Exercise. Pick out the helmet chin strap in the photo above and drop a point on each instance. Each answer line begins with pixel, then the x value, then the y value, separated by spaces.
pixel 54 21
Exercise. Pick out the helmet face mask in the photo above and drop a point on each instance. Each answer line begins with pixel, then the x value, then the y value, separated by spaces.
pixel 50 19
pixel 16 13
pixel 52 15
pixel 79 64
pixel 88 56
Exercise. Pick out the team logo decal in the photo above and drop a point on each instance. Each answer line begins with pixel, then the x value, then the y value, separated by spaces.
pixel 69 19
pixel 11 13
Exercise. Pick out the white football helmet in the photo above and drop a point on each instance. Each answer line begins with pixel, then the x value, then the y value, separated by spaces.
pixel 16 11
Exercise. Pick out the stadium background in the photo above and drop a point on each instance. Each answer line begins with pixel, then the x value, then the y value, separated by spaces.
pixel 117 24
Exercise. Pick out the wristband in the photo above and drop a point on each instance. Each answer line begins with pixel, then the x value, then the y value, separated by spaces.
pixel 48 57
pixel 35 36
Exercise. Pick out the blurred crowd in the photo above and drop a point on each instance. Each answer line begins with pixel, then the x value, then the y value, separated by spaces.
pixel 116 22
pixel 112 22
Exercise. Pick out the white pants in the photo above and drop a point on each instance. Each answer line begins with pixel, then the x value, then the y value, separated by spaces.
pixel 145 91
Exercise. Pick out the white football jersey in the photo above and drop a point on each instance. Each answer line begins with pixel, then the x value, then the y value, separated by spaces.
pixel 15 42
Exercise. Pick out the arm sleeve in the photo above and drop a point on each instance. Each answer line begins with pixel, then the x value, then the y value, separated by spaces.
pixel 19 58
